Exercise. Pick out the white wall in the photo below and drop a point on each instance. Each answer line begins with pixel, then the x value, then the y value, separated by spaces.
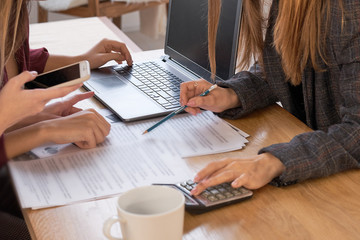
pixel 130 21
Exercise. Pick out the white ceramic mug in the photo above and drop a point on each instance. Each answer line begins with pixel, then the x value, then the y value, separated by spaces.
pixel 149 213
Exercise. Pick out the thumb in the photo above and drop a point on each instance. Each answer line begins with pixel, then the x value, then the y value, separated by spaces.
pixel 196 101
pixel 25 77
pixel 240 181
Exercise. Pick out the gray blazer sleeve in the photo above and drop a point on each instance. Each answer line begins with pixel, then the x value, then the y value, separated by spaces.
pixel 252 90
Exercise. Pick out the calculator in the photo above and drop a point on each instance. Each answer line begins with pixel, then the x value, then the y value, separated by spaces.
pixel 212 197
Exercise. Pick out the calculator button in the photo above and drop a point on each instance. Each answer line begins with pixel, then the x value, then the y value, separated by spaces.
pixel 212 198
pixel 205 194
pixel 235 192
pixel 222 190
pixel 190 182
pixel 183 184
pixel 228 194
pixel 214 191
pixel 220 196
pixel 241 190
pixel 188 187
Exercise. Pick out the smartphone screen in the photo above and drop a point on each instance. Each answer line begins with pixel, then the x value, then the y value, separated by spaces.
pixel 56 77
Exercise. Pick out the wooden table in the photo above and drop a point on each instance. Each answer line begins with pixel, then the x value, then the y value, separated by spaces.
pixel 327 208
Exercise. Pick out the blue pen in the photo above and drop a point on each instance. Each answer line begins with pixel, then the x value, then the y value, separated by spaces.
pixel 177 111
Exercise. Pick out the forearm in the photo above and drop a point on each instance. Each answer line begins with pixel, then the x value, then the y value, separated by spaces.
pixel 2 128
pixel 3 123
pixel 57 61
pixel 43 116
pixel 23 140
pixel 315 154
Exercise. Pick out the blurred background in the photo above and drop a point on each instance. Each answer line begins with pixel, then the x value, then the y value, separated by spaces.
pixel 146 36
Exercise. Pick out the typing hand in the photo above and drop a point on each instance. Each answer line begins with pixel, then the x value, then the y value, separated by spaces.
pixel 107 50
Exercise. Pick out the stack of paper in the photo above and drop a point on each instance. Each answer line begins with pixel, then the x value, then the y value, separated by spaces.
pixel 65 174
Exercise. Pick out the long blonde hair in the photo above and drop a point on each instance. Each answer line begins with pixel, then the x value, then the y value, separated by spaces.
pixel 297 34
pixel 12 29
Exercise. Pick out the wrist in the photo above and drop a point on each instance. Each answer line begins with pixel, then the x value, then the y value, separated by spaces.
pixel 276 167
pixel 80 57
pixel 30 137
pixel 234 101
pixel 51 132
pixel 43 131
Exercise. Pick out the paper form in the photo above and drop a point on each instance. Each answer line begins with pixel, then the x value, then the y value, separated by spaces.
pixel 189 135
pixel 95 173
pixel 65 174
pixel 198 135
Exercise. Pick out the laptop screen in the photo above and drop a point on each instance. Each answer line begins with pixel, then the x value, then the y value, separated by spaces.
pixel 186 40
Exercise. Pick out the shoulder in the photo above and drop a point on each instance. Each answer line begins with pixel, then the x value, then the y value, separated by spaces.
pixel 344 29
pixel 345 16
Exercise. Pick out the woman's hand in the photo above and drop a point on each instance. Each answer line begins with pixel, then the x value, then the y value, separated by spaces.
pixel 18 103
pixel 107 50
pixel 54 110
pixel 252 173
pixel 66 106
pixel 85 128
pixel 218 100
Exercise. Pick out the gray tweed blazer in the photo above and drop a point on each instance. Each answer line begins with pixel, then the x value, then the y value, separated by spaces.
pixel 331 100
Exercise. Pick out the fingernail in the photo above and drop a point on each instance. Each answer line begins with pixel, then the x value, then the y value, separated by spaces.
pixel 196 178
pixel 194 191
pixel 34 73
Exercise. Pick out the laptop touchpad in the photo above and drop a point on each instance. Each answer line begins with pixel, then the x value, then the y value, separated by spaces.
pixel 104 80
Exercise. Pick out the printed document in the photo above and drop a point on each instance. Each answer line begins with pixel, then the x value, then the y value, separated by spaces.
pixel 56 175
pixel 95 173
pixel 198 135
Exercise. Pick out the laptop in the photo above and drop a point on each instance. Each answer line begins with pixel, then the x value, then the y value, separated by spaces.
pixel 152 88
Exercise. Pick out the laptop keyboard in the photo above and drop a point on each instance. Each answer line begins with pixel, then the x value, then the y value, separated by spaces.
pixel 155 81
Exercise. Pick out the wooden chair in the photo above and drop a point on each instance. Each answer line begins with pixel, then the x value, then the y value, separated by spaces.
pixel 99 8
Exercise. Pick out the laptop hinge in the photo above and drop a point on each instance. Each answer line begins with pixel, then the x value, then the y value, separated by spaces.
pixel 164 58
pixel 187 72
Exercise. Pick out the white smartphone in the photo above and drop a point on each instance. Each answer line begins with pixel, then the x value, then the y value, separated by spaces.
pixel 62 77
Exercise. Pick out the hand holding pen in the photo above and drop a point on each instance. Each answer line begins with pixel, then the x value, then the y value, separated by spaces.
pixel 177 111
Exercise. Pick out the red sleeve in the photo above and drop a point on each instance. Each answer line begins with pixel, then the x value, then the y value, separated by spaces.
pixel 38 59
pixel 3 157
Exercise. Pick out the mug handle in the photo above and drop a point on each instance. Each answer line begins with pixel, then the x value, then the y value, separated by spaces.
pixel 108 225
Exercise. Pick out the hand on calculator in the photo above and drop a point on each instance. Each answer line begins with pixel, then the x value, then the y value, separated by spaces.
pixel 212 198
